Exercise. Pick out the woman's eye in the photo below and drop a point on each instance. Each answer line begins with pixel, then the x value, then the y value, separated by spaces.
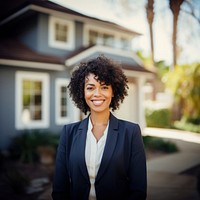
pixel 89 88
pixel 105 87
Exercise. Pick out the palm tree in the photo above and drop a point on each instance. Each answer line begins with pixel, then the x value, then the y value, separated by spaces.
pixel 175 6
pixel 150 18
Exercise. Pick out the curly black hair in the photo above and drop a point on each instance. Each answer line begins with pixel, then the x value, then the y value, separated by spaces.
pixel 106 71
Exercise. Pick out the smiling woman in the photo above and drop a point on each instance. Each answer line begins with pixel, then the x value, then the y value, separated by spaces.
pixel 100 151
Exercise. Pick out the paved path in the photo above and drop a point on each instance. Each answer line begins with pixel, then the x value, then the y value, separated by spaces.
pixel 165 181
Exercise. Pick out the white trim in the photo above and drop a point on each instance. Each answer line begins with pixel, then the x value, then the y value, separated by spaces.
pixel 60 120
pixel 70 43
pixel 30 64
pixel 98 48
pixel 44 77
pixel 73 112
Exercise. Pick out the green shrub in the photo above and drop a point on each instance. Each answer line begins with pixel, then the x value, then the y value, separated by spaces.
pixel 192 125
pixel 155 143
pixel 158 118
pixel 24 146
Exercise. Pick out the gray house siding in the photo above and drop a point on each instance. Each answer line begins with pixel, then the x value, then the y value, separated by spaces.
pixel 28 34
pixel 7 105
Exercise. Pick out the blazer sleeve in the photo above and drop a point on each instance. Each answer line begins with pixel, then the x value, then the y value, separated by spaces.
pixel 137 168
pixel 61 181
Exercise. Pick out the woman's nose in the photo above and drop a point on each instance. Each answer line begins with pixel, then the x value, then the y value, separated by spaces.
pixel 97 92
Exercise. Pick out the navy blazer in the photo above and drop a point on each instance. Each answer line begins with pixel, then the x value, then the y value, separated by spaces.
pixel 122 172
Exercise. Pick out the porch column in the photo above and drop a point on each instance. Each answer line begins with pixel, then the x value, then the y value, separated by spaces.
pixel 141 103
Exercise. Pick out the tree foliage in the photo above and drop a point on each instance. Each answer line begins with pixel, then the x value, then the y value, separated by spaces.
pixel 184 82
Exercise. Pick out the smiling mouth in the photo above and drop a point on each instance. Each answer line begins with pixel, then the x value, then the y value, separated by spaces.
pixel 97 102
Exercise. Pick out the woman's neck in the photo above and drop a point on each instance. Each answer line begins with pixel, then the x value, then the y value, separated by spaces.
pixel 100 118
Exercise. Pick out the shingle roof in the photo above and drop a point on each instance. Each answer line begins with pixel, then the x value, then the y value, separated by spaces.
pixel 15 50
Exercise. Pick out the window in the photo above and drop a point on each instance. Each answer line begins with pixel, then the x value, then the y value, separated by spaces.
pixel 108 40
pixel 102 36
pixel 125 43
pixel 65 110
pixel 61 33
pixel 93 36
pixel 32 97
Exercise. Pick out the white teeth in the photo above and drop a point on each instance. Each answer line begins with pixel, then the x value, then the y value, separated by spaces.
pixel 97 102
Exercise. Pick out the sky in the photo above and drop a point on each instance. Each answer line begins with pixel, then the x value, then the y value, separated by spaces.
pixel 188 40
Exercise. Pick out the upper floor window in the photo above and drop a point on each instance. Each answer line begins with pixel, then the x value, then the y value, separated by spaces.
pixel 101 36
pixel 61 33
pixel 125 43
pixel 96 37
pixel 32 97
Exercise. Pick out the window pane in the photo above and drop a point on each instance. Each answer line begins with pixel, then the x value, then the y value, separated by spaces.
pixel 125 43
pixel 32 99
pixel 108 39
pixel 38 99
pixel 93 36
pixel 61 32
pixel 37 114
pixel 38 86
pixel 26 99
pixel 63 101
pixel 26 85
pixel 63 89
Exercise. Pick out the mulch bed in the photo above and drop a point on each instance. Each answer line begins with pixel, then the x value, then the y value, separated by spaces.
pixel 16 180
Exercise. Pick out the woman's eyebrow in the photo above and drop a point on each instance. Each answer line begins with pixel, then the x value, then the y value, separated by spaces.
pixel 89 84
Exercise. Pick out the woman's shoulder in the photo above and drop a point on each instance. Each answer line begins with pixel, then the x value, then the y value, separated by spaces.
pixel 71 126
pixel 128 123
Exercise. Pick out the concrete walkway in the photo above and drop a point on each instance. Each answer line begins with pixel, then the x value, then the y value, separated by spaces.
pixel 165 181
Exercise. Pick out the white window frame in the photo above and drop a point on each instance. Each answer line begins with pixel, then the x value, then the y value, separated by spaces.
pixel 101 30
pixel 20 124
pixel 73 112
pixel 70 44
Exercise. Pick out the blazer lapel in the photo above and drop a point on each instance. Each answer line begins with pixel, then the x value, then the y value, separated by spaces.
pixel 110 145
pixel 80 147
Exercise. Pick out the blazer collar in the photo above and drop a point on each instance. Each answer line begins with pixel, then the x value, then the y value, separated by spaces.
pixel 109 146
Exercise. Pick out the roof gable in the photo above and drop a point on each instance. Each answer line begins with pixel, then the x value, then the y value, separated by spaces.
pixel 127 59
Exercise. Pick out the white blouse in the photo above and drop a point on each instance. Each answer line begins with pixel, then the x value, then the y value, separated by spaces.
pixel 93 155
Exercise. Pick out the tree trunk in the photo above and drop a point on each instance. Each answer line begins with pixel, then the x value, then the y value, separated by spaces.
pixel 150 18
pixel 174 39
pixel 175 6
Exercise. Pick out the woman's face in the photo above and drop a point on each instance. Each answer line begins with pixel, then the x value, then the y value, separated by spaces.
pixel 98 95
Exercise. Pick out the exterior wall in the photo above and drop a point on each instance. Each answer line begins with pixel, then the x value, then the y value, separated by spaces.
pixel 128 110
pixel 35 35
pixel 7 102
pixel 28 33
pixel 7 105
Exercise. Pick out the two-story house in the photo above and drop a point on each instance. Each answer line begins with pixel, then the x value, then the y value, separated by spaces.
pixel 40 44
